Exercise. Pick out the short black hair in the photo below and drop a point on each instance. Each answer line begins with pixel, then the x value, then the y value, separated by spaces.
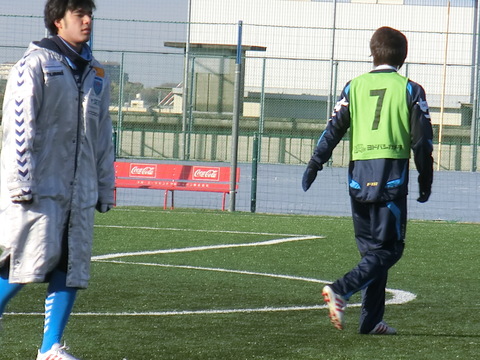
pixel 56 9
pixel 388 46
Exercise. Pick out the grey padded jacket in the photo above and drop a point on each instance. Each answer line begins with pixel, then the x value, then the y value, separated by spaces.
pixel 57 144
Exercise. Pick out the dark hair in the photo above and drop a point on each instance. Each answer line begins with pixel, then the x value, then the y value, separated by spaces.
pixel 56 9
pixel 388 46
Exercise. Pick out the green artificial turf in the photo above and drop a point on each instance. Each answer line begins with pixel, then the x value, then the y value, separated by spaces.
pixel 205 285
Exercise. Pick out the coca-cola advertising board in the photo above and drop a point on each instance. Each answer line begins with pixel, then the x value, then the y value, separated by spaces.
pixel 143 170
pixel 206 173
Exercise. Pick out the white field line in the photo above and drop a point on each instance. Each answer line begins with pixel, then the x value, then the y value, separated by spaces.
pixel 206 247
pixel 399 296
pixel 198 230
pixel 188 312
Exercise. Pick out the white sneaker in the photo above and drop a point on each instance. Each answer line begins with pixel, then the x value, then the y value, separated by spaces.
pixel 383 329
pixel 336 306
pixel 57 352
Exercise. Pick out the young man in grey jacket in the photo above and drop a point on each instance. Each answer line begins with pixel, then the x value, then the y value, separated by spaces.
pixel 56 166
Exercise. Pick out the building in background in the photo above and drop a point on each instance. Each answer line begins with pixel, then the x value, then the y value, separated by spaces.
pixel 314 46
pixel 5 70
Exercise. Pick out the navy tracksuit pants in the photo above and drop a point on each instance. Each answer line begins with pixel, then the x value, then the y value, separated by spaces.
pixel 379 233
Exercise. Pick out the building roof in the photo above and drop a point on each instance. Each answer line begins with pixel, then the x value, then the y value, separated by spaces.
pixel 214 46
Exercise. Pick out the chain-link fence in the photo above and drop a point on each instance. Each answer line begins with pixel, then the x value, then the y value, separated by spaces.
pixel 173 99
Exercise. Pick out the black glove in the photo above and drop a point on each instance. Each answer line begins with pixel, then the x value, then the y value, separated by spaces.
pixel 310 174
pixel 103 208
pixel 424 195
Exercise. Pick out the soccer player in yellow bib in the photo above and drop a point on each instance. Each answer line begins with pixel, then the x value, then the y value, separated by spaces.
pixel 388 116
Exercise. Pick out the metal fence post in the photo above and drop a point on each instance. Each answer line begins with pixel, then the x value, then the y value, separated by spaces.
pixel 120 107
pixel 253 195
pixel 236 119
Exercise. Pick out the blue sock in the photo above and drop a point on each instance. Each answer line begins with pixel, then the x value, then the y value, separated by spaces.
pixel 7 292
pixel 58 306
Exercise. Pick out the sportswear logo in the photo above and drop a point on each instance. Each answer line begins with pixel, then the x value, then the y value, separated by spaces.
pixel 423 105
pixel 54 73
pixel 339 105
pixel 20 130
pixel 53 68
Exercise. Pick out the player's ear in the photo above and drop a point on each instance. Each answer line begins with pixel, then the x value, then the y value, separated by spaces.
pixel 58 23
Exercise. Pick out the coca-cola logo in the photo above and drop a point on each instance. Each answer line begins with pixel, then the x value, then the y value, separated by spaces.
pixel 206 173
pixel 143 170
